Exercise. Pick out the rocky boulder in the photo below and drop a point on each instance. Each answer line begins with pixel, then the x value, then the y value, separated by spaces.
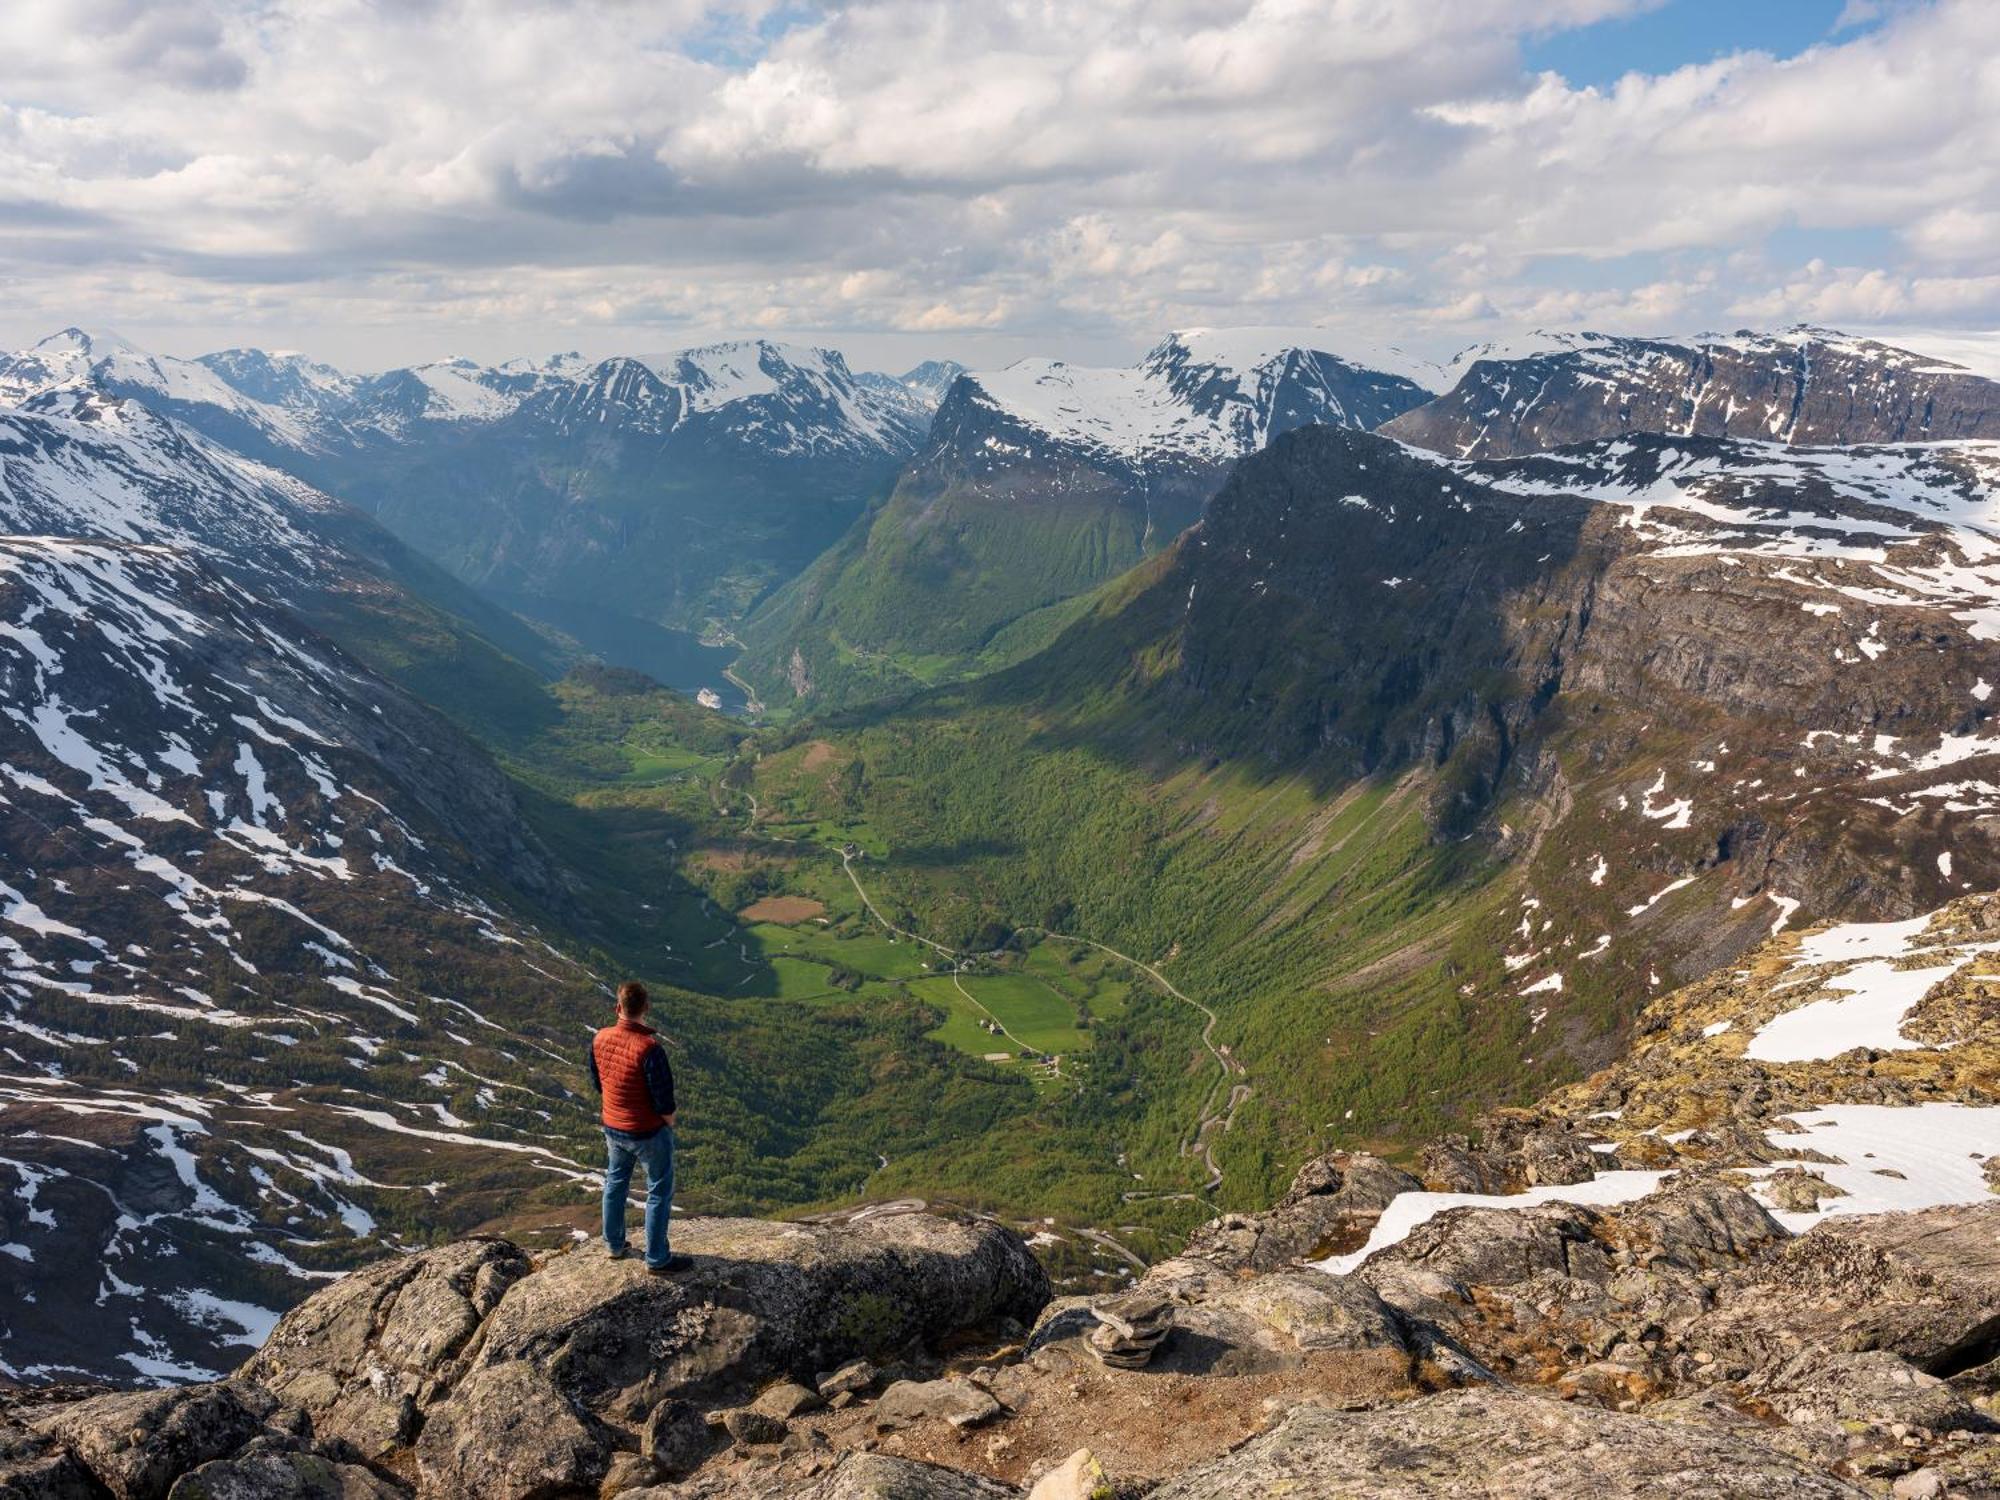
pixel 1498 1445
pixel 958 1402
pixel 857 1476
pixel 1925 1286
pixel 1556 1158
pixel 1332 1205
pixel 763 1300
pixel 507 1433
pixel 281 1475
pixel 366 1355
pixel 1225 1324
pixel 137 1443
pixel 1689 1224
pixel 36 1466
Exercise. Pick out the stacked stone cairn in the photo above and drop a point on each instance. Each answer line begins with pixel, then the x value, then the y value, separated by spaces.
pixel 1130 1328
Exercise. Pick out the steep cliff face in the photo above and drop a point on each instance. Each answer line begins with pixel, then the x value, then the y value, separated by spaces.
pixel 1804 385
pixel 1685 690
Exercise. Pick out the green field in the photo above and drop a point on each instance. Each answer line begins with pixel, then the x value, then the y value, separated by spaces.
pixel 1035 1015
pixel 873 953
pixel 830 832
pixel 652 763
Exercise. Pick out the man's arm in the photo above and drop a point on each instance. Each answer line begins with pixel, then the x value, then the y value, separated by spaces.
pixel 596 1083
pixel 659 1076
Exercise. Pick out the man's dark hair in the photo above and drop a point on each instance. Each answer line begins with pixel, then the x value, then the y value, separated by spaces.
pixel 632 998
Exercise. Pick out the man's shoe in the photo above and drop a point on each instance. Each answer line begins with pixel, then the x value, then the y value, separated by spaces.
pixel 621 1253
pixel 674 1265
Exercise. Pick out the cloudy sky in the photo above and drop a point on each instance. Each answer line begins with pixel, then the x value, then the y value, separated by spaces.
pixel 377 181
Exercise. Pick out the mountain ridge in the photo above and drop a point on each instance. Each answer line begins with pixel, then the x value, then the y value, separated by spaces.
pixel 1034 485
pixel 1805 385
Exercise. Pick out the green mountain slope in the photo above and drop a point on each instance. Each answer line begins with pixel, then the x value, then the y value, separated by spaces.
pixel 1035 485
pixel 1424 776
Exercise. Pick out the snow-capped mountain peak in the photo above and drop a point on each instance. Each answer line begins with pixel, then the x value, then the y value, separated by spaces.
pixel 1200 397
pixel 786 398
pixel 1804 384
pixel 569 365
pixel 64 358
pixel 280 377
pixel 1250 348
pixel 932 378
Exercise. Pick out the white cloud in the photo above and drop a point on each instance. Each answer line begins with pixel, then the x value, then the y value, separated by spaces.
pixel 1859 296
pixel 1045 170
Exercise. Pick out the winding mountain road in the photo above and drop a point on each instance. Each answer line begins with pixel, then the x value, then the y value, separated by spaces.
pixel 1230 1073
pixel 1207 1121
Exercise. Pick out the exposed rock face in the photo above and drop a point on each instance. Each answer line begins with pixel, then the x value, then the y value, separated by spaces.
pixel 137 1443
pixel 281 1475
pixel 1925 1287
pixel 1333 1203
pixel 38 1466
pixel 1805 385
pixel 507 1433
pixel 365 1356
pixel 763 1300
pixel 1495 1444
pixel 1524 1289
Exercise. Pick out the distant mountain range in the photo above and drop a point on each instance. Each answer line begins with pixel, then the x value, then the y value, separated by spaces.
pixel 616 503
pixel 1802 386
pixel 1039 482
pixel 1036 484
pixel 863 534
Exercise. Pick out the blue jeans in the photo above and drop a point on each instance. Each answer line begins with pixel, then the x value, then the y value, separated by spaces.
pixel 657 1152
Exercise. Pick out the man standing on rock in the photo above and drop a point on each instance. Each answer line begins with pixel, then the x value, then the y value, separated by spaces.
pixel 628 1068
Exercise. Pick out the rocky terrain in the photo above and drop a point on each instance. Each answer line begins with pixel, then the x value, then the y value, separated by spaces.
pixel 1670 1306
pixel 1804 385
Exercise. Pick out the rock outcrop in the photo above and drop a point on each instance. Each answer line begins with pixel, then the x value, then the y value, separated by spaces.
pixel 137 1443
pixel 1332 1204
pixel 478 1372
pixel 1923 1287
pixel 1680 1342
pixel 1495 1444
